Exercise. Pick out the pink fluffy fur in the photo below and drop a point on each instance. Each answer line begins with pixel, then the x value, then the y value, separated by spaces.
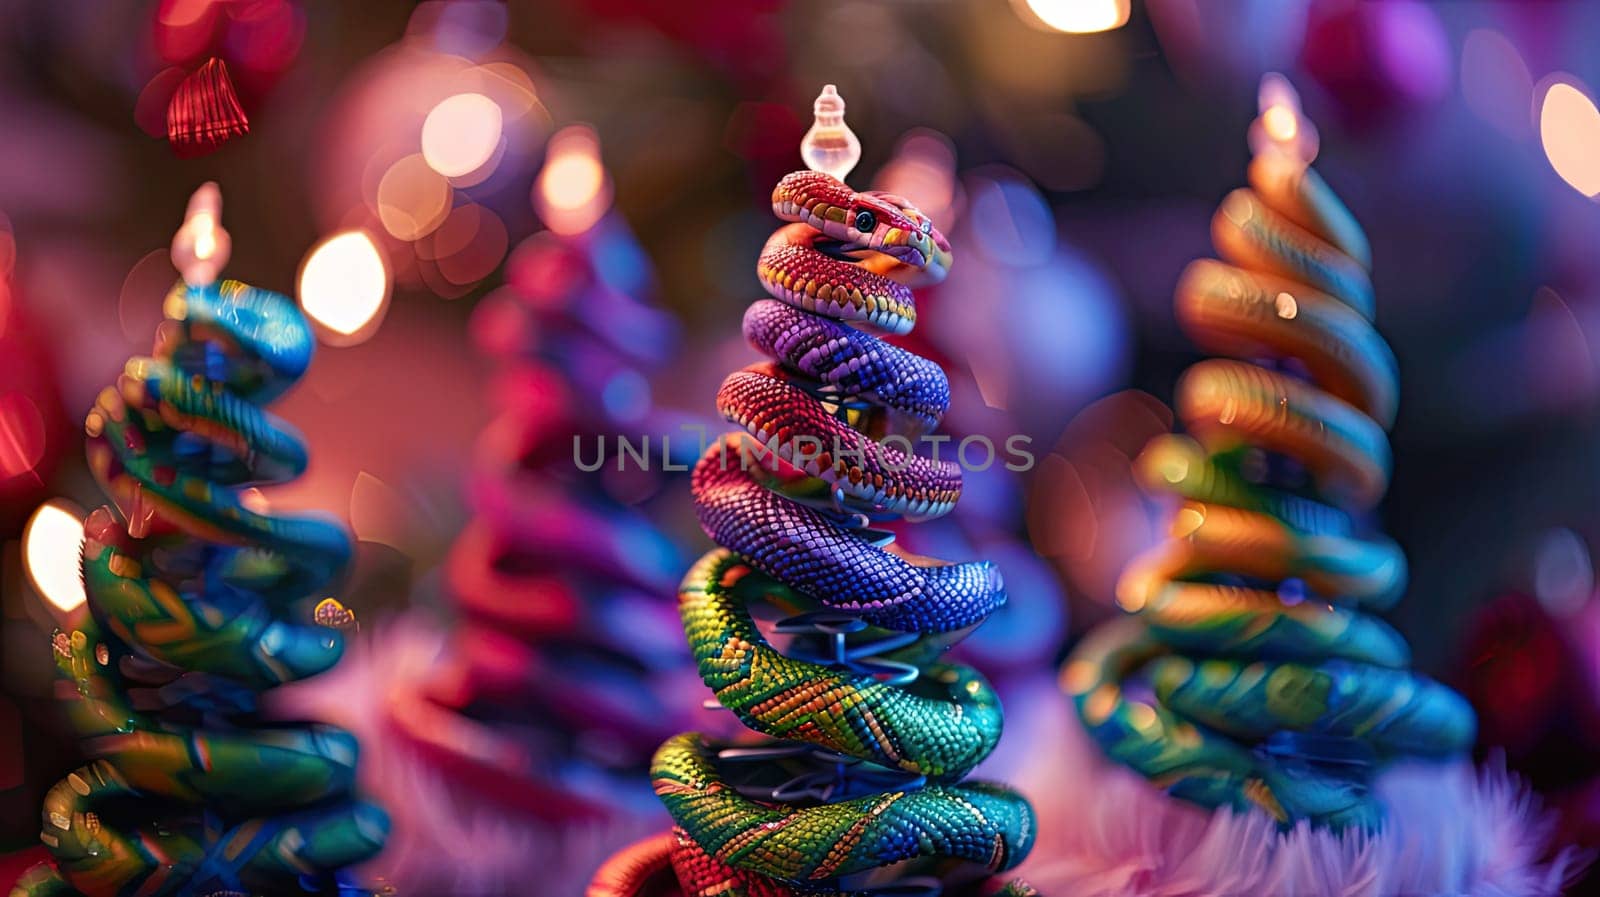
pixel 445 841
pixel 1105 832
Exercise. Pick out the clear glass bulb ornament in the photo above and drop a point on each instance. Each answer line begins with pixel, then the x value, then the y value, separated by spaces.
pixel 830 146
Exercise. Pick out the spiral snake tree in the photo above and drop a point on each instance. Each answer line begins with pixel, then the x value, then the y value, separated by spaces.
pixel 197 603
pixel 813 627
pixel 553 694
pixel 1256 675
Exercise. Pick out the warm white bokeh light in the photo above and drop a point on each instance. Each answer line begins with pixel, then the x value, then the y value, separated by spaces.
pixel 572 179
pixel 461 134
pixel 52 550
pixel 1281 126
pixel 413 199
pixel 344 287
pixel 1081 16
pixel 1569 128
pixel 1280 122
pixel 573 190
pixel 201 247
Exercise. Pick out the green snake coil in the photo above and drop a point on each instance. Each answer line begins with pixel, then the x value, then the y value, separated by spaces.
pixel 198 602
pixel 809 624
pixel 1257 675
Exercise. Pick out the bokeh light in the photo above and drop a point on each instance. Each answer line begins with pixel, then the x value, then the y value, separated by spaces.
pixel 1040 329
pixel 144 290
pixel 22 435
pixel 468 247
pixel 266 35
pixel 150 110
pixel 1374 62
pixel 52 548
pixel 1010 222
pixel 461 134
pixel 1281 126
pixel 344 287
pixel 445 119
pixel 379 513
pixel 1087 513
pixel 183 12
pixel 1495 81
pixel 413 198
pixel 573 190
pixel 255 500
pixel 8 261
pixel 1563 572
pixel 185 27
pixel 1280 123
pixel 8 248
pixel 923 170
pixel 1569 128
pixel 1078 16
pixel 467 30
pixel 510 88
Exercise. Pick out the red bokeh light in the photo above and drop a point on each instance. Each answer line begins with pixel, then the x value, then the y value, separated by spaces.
pixel 22 435
pixel 264 35
pixel 184 29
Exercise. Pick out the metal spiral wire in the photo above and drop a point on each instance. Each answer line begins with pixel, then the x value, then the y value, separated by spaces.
pixel 809 624
pixel 198 601
pixel 1257 674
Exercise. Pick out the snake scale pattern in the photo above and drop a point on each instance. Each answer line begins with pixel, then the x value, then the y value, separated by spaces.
pixel 1256 674
pixel 857 783
pixel 195 603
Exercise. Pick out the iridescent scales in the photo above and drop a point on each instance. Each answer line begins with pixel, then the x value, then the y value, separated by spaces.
pixel 187 792
pixel 867 744
pixel 1273 685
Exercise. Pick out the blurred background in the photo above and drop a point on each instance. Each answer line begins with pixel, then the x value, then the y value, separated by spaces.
pixel 400 157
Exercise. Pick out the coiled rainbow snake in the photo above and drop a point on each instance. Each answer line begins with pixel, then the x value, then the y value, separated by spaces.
pixel 556 576
pixel 194 599
pixel 1273 684
pixel 868 735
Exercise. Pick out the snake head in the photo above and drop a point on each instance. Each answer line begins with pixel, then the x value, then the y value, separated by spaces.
pixel 891 225
pixel 865 220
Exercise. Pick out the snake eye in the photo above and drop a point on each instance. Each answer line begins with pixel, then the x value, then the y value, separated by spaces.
pixel 927 227
pixel 866 222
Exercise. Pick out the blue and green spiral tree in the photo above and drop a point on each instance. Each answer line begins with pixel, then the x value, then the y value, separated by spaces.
pixel 197 603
